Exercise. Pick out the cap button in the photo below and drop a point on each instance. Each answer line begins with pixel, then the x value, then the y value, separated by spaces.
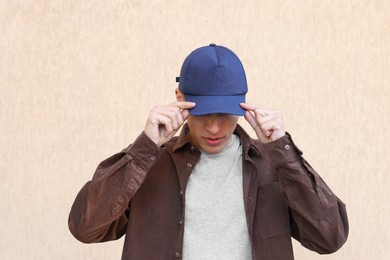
pixel 212 44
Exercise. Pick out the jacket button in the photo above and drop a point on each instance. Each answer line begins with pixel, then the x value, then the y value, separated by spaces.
pixel 181 222
pixel 286 147
pixel 153 158
pixel 177 254
pixel 189 165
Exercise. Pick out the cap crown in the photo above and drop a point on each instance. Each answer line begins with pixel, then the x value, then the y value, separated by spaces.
pixel 212 71
pixel 214 78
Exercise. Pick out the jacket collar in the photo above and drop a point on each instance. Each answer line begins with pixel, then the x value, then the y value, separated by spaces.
pixel 249 145
pixel 184 138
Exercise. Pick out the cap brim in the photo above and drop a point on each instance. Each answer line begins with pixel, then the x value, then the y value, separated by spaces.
pixel 216 105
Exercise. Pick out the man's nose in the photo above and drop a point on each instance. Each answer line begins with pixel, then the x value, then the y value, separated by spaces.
pixel 214 124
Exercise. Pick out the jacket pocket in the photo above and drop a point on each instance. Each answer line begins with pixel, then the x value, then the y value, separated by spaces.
pixel 271 217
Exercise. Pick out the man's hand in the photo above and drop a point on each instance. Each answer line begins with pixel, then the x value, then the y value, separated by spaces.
pixel 164 121
pixel 268 124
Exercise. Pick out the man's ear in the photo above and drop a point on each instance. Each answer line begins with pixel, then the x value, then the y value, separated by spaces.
pixel 179 95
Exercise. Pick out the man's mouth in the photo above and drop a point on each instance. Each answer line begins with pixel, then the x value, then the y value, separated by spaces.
pixel 213 141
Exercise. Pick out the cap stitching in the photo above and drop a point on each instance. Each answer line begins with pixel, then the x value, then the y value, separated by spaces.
pixel 190 60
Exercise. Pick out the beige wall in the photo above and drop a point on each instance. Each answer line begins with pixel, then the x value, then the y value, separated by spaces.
pixel 78 78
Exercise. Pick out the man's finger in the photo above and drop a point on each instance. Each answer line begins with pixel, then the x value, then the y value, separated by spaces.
pixel 272 124
pixel 251 119
pixel 185 113
pixel 174 114
pixel 250 107
pixel 258 110
pixel 183 104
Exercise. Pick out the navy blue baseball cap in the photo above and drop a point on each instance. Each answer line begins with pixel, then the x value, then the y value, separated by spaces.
pixel 213 77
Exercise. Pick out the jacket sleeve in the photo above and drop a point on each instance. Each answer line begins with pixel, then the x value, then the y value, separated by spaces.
pixel 318 218
pixel 99 212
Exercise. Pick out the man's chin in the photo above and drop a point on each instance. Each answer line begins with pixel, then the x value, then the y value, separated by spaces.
pixel 212 149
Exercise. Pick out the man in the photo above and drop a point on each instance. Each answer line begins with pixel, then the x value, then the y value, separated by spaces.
pixel 213 192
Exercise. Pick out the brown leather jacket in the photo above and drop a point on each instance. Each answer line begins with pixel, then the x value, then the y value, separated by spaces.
pixel 141 191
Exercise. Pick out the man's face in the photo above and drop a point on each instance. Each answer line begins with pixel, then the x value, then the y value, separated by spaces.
pixel 211 133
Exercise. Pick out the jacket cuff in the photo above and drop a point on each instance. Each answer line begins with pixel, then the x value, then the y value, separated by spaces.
pixel 144 151
pixel 282 150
